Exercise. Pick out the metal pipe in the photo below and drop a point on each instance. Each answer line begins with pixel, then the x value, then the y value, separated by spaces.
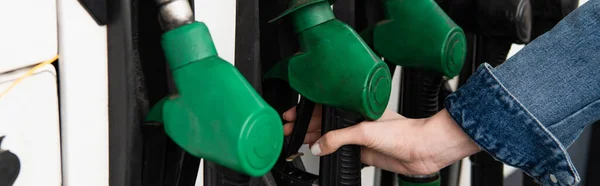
pixel 174 13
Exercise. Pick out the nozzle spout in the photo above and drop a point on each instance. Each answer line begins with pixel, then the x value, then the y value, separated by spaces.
pixel 174 13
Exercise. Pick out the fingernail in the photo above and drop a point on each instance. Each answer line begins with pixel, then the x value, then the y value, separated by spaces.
pixel 316 149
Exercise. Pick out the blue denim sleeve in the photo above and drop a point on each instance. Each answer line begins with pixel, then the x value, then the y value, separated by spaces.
pixel 526 111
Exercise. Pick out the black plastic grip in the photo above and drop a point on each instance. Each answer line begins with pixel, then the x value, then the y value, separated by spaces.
pixel 509 19
pixel 485 170
pixel 341 168
pixel 293 176
pixel 529 181
pixel 218 175
pixel 304 111
pixel 419 93
pixel 492 50
pixel 547 13
pixel 420 99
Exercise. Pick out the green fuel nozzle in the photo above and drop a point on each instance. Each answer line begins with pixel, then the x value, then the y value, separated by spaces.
pixel 419 181
pixel 334 66
pixel 418 34
pixel 216 114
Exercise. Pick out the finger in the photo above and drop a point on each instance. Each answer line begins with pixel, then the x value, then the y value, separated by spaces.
pixel 288 128
pixel 387 162
pixel 332 140
pixel 310 138
pixel 314 125
pixel 390 115
pixel 315 121
pixel 290 115
pixel 371 157
pixel 374 158
pixel 318 110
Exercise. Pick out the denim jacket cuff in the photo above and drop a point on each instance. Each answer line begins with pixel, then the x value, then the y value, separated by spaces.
pixel 503 127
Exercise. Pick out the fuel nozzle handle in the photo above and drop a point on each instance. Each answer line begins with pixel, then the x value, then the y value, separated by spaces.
pixel 510 20
pixel 174 13
pixel 335 68
pixel 216 114
pixel 547 13
pixel 419 180
pixel 418 34
pixel 351 77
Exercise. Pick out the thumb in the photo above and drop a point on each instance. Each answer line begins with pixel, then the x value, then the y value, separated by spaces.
pixel 355 135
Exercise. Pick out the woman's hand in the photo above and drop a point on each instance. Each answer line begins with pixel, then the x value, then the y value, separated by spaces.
pixel 394 143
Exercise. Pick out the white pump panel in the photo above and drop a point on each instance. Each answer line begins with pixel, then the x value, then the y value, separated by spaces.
pixel 29 120
pixel 29 33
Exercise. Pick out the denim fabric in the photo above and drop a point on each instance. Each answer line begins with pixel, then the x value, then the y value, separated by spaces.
pixel 526 111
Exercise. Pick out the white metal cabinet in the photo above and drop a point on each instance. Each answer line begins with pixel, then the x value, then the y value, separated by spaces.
pixel 29 120
pixel 28 33
pixel 83 96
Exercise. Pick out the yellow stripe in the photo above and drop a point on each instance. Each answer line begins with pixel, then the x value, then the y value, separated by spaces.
pixel 29 73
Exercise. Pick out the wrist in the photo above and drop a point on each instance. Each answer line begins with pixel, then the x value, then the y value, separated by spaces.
pixel 448 143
